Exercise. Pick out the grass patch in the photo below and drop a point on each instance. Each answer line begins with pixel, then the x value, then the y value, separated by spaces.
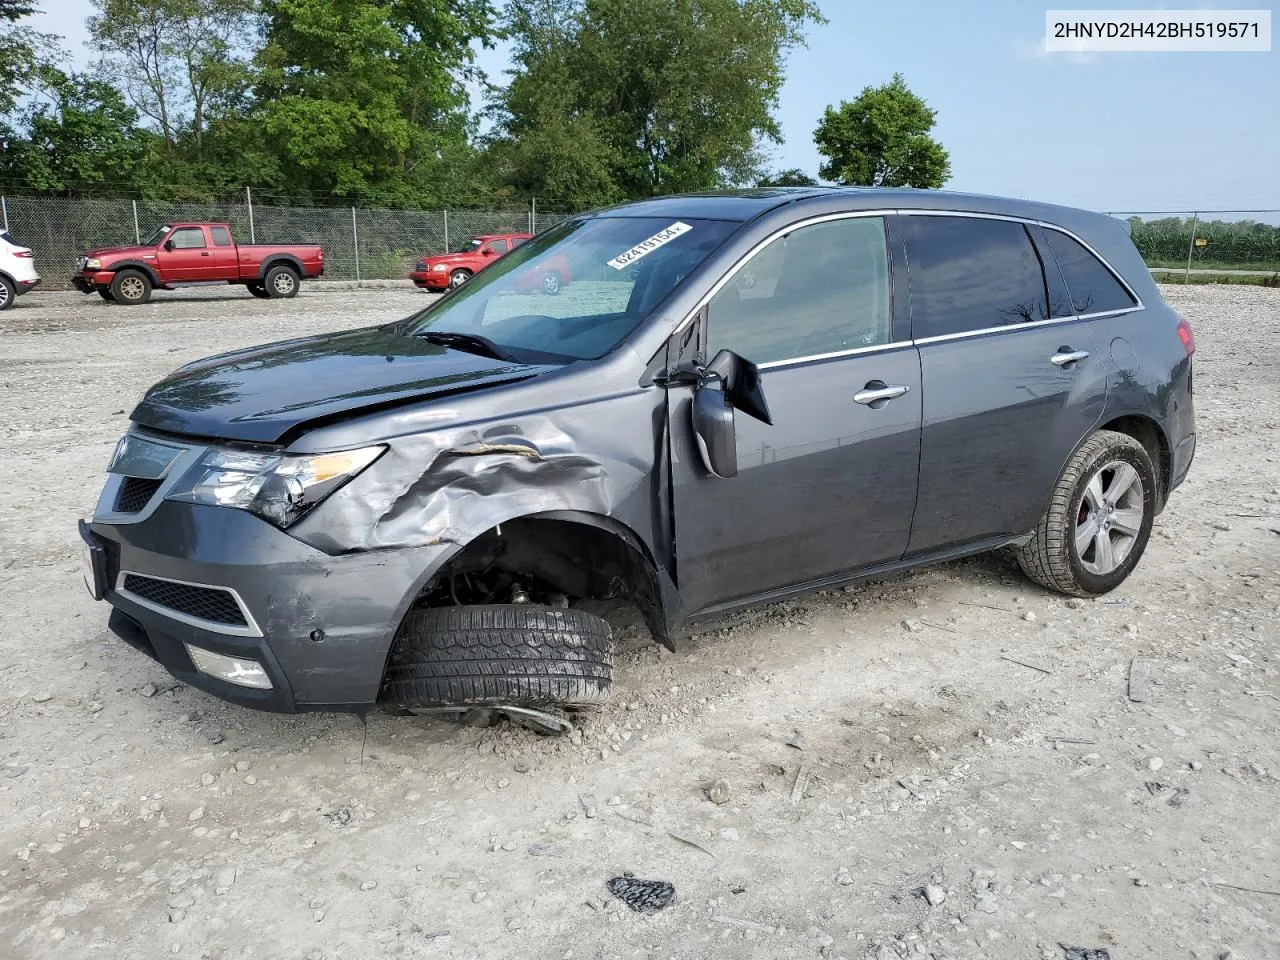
pixel 1234 279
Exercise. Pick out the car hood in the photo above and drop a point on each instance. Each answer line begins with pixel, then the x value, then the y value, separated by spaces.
pixel 119 252
pixel 264 393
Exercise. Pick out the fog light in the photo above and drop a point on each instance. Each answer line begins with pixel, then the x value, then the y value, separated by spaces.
pixel 246 673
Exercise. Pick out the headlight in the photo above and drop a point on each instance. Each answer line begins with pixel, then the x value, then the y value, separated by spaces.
pixel 281 488
pixel 440 268
pixel 93 263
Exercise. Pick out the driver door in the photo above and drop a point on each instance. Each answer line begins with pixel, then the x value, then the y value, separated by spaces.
pixel 185 256
pixel 830 487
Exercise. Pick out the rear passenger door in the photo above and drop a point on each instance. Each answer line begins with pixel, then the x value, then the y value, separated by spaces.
pixel 224 259
pixel 1011 380
pixel 830 486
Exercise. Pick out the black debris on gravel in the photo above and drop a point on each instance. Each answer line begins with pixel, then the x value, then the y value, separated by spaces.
pixel 642 896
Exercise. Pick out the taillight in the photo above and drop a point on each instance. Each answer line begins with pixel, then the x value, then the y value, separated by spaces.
pixel 25 254
pixel 1187 337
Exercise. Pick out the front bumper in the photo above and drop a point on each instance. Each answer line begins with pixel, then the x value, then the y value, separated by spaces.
pixel 322 625
pixel 430 281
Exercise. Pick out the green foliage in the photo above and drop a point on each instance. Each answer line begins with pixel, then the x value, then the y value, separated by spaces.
pixel 80 134
pixel 22 52
pixel 1240 244
pixel 882 139
pixel 617 99
pixel 179 61
pixel 364 100
pixel 794 177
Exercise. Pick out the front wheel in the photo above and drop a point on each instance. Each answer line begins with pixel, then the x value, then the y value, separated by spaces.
pixel 281 282
pixel 1099 518
pixel 131 287
pixel 458 278
pixel 8 293
pixel 551 283
pixel 496 655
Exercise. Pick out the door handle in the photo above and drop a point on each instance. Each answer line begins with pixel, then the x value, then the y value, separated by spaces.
pixel 1065 357
pixel 876 394
pixel 204 253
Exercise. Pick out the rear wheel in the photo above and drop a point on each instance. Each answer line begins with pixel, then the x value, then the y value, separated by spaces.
pixel 458 278
pixel 1099 519
pixel 281 282
pixel 8 293
pixel 259 291
pixel 131 287
pixel 106 294
pixel 496 655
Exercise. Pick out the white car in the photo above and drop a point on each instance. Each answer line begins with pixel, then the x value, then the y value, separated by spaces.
pixel 17 271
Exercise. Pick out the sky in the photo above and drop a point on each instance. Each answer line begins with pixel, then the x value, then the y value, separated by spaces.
pixel 1113 132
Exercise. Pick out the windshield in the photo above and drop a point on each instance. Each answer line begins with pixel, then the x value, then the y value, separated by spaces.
pixel 156 235
pixel 472 244
pixel 578 290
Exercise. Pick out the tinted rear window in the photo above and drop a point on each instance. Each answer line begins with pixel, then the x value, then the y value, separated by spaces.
pixel 1092 287
pixel 970 273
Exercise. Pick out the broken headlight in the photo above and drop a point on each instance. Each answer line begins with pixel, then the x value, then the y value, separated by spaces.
pixel 281 488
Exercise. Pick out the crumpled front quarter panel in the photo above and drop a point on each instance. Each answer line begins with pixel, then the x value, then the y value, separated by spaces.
pixel 451 483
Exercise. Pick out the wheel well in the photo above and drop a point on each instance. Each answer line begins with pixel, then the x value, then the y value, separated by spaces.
pixel 465 270
pixel 1148 433
pixel 280 262
pixel 141 268
pixel 541 556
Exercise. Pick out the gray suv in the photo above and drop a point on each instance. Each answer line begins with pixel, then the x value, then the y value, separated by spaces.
pixel 740 397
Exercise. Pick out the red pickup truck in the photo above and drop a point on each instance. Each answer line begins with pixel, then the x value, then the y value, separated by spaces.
pixel 188 253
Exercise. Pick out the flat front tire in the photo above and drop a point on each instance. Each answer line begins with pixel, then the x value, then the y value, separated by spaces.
pixel 1099 518
pixel 131 287
pixel 500 655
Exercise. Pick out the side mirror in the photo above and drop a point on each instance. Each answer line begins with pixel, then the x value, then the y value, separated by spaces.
pixel 713 429
pixel 168 244
pixel 487 251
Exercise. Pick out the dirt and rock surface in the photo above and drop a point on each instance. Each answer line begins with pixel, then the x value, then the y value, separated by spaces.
pixel 939 765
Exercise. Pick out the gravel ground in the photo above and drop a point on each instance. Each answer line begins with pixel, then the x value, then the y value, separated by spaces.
pixel 973 780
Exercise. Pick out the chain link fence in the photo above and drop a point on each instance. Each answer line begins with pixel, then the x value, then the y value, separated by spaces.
pixel 359 244
pixel 1241 242
pixel 365 244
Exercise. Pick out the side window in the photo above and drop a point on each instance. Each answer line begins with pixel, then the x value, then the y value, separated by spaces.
pixel 497 246
pixel 971 273
pixel 221 236
pixel 517 241
pixel 188 238
pixel 820 289
pixel 1092 287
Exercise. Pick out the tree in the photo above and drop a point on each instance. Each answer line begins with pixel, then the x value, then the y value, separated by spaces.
pixel 794 177
pixel 615 99
pixel 365 100
pixel 78 133
pixel 882 139
pixel 22 52
pixel 179 60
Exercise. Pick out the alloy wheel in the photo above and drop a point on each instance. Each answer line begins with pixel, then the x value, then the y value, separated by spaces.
pixel 132 288
pixel 1110 517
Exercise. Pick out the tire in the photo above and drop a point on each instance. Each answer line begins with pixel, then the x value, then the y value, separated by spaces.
pixel 1066 552
pixel 106 294
pixel 458 278
pixel 258 290
pixel 551 283
pixel 8 293
pixel 281 282
pixel 131 287
pixel 509 654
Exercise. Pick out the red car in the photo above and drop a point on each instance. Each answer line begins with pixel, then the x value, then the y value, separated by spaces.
pixel 187 253
pixel 445 271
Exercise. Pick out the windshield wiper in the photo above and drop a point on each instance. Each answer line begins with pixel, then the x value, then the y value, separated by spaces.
pixel 469 342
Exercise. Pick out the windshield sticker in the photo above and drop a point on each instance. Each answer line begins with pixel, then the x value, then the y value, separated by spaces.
pixel 644 247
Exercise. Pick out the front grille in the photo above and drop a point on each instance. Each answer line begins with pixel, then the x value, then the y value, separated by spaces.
pixel 204 603
pixel 135 493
